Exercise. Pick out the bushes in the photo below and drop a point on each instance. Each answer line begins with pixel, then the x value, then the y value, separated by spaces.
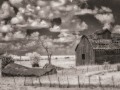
pixel 6 60
pixel 35 59
pixel 35 64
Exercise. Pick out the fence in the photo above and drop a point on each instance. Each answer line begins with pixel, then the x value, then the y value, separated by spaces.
pixel 62 81
pixel 68 78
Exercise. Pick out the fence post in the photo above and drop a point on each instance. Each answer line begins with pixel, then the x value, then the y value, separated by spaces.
pixel 49 80
pixel 40 82
pixel 25 81
pixel 14 80
pixel 32 81
pixel 89 80
pixel 59 81
pixel 113 81
pixel 100 81
pixel 87 68
pixel 78 81
pixel 68 82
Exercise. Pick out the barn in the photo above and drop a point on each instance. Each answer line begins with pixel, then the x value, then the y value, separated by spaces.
pixel 98 48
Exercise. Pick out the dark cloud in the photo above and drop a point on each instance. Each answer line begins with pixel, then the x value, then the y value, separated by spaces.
pixel 92 22
pixel 114 5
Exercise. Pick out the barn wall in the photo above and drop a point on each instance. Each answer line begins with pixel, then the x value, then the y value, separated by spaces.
pixel 111 56
pixel 85 48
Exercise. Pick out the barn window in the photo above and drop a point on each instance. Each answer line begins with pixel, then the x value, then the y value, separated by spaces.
pixel 83 56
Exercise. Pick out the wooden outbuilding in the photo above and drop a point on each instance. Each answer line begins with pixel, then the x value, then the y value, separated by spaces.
pixel 97 50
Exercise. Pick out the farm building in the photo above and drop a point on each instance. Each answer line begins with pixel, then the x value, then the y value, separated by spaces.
pixel 102 46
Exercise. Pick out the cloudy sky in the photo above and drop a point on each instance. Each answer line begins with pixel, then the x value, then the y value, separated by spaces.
pixel 61 21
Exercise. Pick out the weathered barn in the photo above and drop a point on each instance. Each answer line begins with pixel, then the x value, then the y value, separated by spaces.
pixel 97 49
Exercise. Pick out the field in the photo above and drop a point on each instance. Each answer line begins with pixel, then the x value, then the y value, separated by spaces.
pixel 72 77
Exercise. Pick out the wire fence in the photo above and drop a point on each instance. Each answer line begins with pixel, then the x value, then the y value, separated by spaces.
pixel 64 81
pixel 68 78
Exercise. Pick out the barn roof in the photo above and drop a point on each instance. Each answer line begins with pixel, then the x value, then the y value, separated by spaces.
pixel 98 32
pixel 101 43
pixel 82 36
pixel 104 44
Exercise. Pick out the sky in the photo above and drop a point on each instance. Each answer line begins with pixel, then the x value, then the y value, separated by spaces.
pixel 62 21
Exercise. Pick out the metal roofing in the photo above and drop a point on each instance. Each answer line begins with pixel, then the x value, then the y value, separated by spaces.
pixel 104 44
pixel 98 32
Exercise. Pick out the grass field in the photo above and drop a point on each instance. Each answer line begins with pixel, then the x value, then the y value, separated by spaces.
pixel 48 88
pixel 71 78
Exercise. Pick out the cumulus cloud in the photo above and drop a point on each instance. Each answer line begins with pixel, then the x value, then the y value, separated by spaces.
pixel 55 28
pixel 73 24
pixel 116 29
pixel 30 44
pixel 105 19
pixel 58 3
pixel 41 3
pixel 5 28
pixel 16 3
pixel 64 37
pixel 39 24
pixel 105 9
pixel 6 11
pixel 19 19
pixel 19 35
pixel 34 24
pixel 64 40
pixel 34 35
pixel 64 33
pixel 86 11
pixel 44 12
pixel 82 26
pixel 67 8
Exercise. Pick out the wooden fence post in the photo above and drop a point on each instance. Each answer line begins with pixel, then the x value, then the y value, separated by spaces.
pixel 113 81
pixel 59 82
pixel 32 81
pixel 100 81
pixel 68 82
pixel 25 81
pixel 40 82
pixel 49 80
pixel 14 80
pixel 87 68
pixel 89 80
pixel 78 81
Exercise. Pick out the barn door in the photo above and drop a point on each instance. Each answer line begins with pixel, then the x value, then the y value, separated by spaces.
pixel 83 58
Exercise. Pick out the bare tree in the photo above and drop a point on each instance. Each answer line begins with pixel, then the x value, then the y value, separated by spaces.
pixel 46 43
